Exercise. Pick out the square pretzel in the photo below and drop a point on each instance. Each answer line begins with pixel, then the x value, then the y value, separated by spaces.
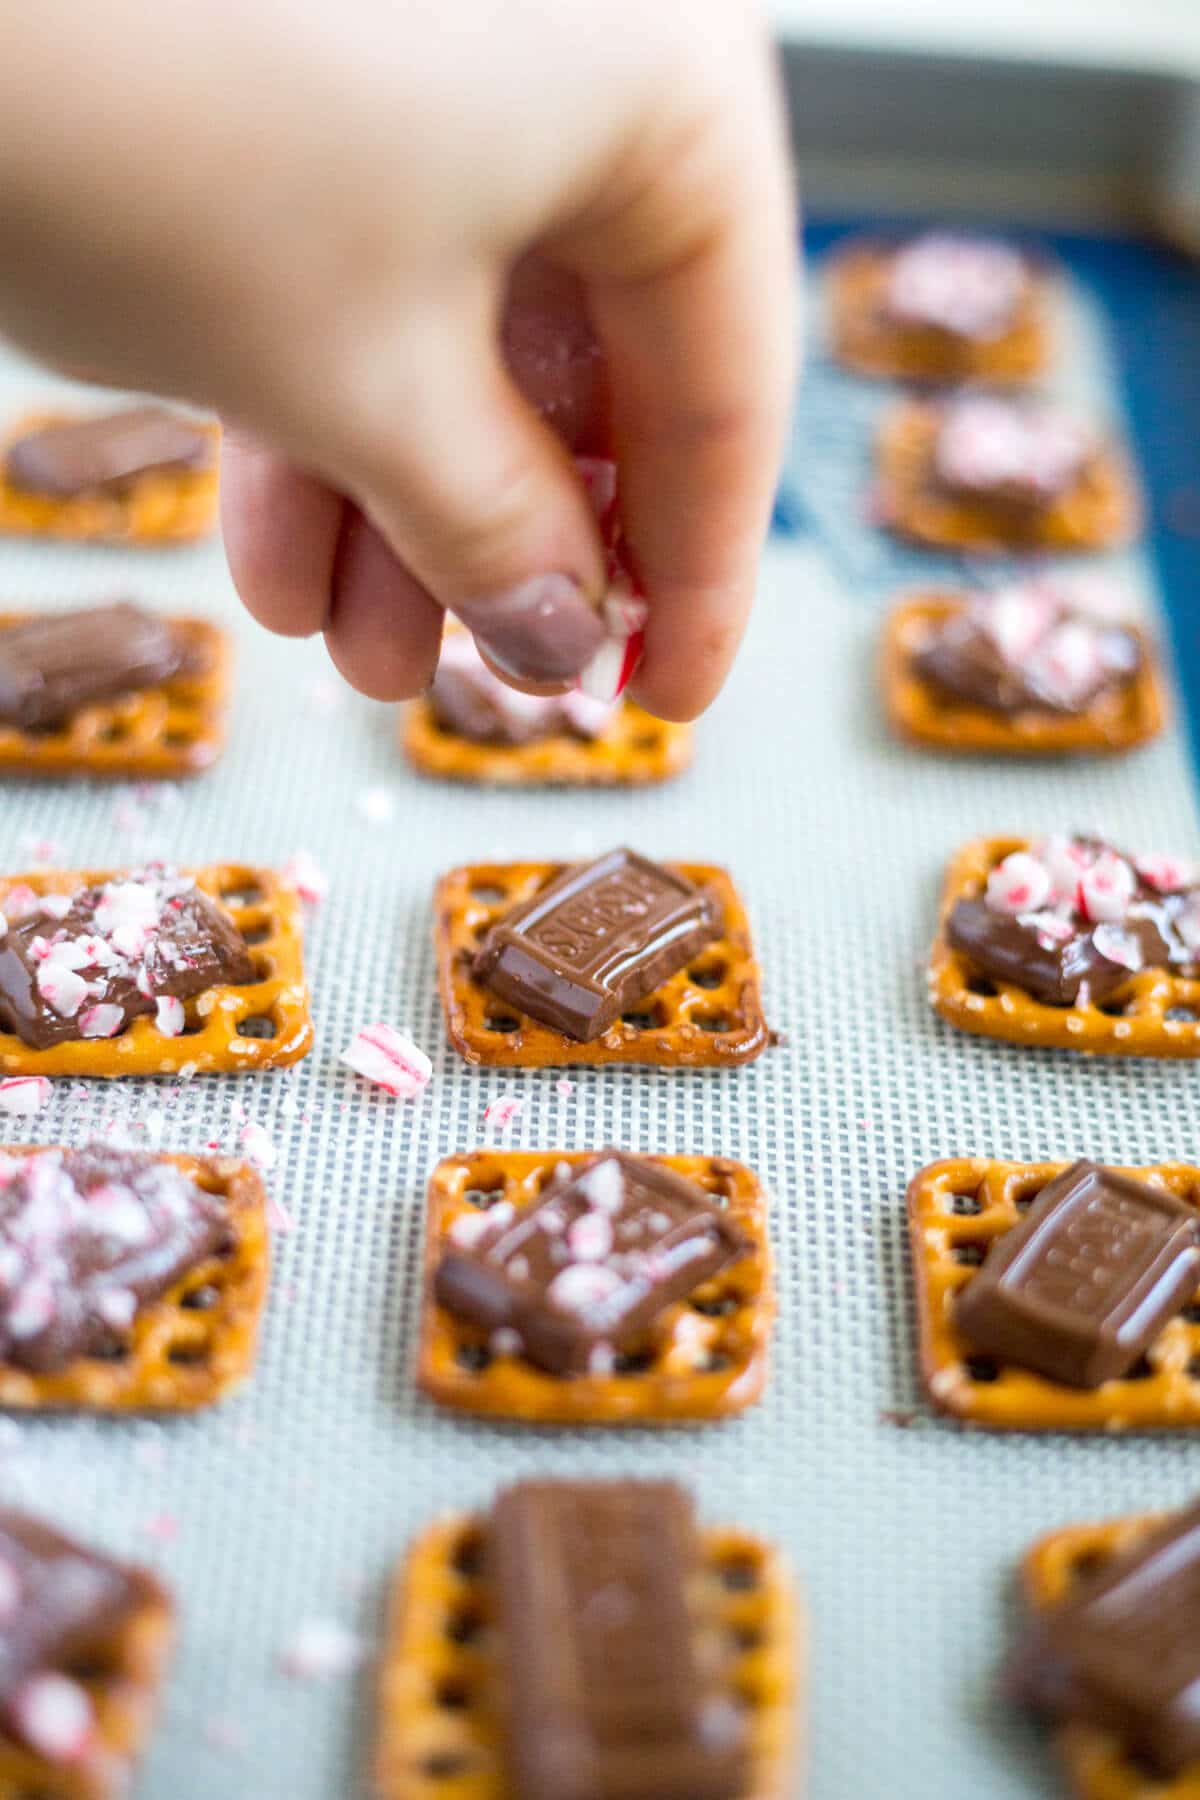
pixel 1096 1763
pixel 438 1730
pixel 161 506
pixel 710 1359
pixel 708 1015
pixel 956 1210
pixel 124 1687
pixel 1100 511
pixel 189 1348
pixel 164 732
pixel 274 1008
pixel 1125 716
pixel 870 343
pixel 1154 1013
pixel 634 749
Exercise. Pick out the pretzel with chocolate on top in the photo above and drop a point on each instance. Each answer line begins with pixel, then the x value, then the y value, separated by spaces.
pixel 1104 962
pixel 701 1356
pixel 143 475
pixel 86 1642
pixel 1023 479
pixel 961 1211
pixel 243 929
pixel 1058 1573
pixel 161 723
pixel 571 922
pixel 938 309
pixel 439 1726
pixel 75 1334
pixel 1119 715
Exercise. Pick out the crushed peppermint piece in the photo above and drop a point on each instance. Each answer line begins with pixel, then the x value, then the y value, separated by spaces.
pixel 581 1286
pixel 1107 888
pixel 1168 874
pixel 169 1015
pixel 163 1527
pixel 319 1648
pixel 23 1095
pixel 383 1055
pixel 624 611
pixel 590 1237
pixel 102 1021
pixel 504 1341
pixel 375 804
pixel 970 287
pixel 40 852
pixel 304 873
pixel 54 1716
pixel 564 1088
pixel 258 1146
pixel 1119 946
pixel 1019 884
pixel 278 1217
pixel 501 1112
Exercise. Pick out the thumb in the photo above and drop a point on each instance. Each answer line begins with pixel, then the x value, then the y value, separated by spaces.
pixel 479 498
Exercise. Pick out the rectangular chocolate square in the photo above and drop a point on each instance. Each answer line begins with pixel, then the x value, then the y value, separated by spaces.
pixel 1122 1651
pixel 595 942
pixel 605 1691
pixel 586 1270
pixel 108 451
pixel 52 665
pixel 1082 1287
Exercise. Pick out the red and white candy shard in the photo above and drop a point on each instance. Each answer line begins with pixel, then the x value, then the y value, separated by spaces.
pixel 1017 618
pixel 502 1111
pixel 1119 946
pixel 1069 663
pixel 304 873
pixel 257 1144
pixel 169 1015
pixel 985 441
pixel 23 1095
pixel 103 1021
pixel 1065 861
pixel 54 1716
pixel 968 286
pixel 1168 874
pixel 623 610
pixel 392 1061
pixel 1106 890
pixel 320 1648
pixel 1020 884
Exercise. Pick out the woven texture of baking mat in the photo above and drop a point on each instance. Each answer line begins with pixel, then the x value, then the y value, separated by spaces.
pixel 292 1501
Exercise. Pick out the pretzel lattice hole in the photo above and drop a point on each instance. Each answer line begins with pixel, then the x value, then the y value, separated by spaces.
pixel 258 1025
pixel 708 975
pixel 982 1369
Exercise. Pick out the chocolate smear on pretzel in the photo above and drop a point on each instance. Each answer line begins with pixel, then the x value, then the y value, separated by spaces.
pixel 84 965
pixel 53 665
pixel 585 1273
pixel 607 1691
pixel 1071 919
pixel 88 1237
pixel 596 941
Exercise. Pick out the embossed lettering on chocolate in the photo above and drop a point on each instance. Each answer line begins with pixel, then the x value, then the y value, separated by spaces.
pixel 1083 1286
pixel 596 941
pixel 1122 1652
pixel 609 1697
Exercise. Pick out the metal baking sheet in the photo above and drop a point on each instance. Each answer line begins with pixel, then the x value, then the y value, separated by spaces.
pixel 292 1501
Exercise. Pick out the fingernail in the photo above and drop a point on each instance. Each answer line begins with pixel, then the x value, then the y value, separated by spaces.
pixel 541 630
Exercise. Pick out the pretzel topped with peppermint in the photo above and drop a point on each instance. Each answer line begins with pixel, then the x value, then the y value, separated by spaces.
pixel 967 287
pixel 1069 941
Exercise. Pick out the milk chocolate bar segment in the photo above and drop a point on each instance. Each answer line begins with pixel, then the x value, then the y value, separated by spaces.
pixel 1123 1651
pixel 106 453
pixel 605 1696
pixel 1083 1286
pixel 52 666
pixel 588 1268
pixel 595 942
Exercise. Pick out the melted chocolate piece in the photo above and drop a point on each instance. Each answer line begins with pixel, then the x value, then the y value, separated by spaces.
pixel 63 1607
pixel 964 661
pixel 595 942
pixel 1122 1650
pixel 106 454
pixel 1080 1289
pixel 1007 950
pixel 1014 456
pixel 591 1266
pixel 52 666
pixel 470 707
pixel 87 1237
pixel 121 947
pixel 606 1696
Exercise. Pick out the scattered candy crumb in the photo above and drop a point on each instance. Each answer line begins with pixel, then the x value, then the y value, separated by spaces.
pixel 23 1095
pixel 278 1216
pixel 383 1055
pixel 375 804
pixel 501 1112
pixel 564 1087
pixel 163 1527
pixel 304 873
pixel 258 1146
pixel 319 1648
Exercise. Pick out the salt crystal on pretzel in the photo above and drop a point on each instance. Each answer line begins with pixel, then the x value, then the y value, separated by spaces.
pixel 382 1055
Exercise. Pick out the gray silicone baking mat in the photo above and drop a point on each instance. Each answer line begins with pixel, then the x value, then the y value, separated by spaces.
pixel 292 1501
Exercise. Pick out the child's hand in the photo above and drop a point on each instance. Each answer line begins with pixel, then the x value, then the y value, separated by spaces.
pixel 308 216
